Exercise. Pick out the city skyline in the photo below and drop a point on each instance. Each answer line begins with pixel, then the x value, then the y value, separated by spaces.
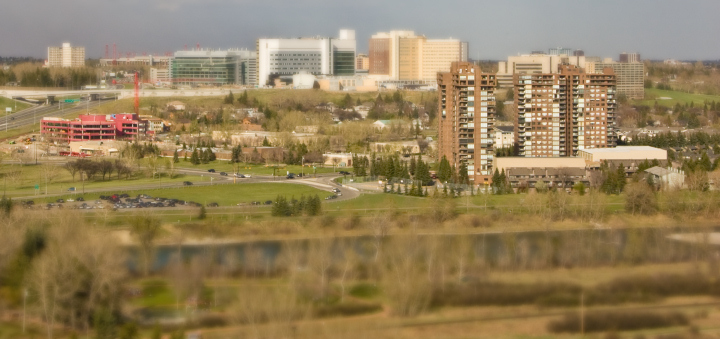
pixel 656 29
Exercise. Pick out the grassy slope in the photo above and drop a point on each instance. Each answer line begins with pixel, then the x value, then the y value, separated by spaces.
pixel 652 95
pixel 5 102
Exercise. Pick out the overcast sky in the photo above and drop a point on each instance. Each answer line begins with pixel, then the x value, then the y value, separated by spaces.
pixel 658 29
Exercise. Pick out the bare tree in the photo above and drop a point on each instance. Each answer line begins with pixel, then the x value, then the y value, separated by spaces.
pixel 49 173
pixel 145 229
pixel 71 166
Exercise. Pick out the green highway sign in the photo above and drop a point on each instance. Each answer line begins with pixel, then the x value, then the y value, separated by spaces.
pixel 71 100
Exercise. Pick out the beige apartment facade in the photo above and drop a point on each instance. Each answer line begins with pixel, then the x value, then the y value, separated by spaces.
pixel 402 55
pixel 66 56
pixel 466 119
pixel 534 64
pixel 630 76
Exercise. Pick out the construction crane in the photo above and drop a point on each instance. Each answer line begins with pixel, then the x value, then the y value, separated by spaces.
pixel 137 94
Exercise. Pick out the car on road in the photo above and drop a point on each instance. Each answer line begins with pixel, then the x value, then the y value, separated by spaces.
pixel 291 176
pixel 71 189
pixel 248 175
pixel 344 172
pixel 187 183
pixel 331 197
pixel 213 204
pixel 211 170
pixel 80 199
pixel 223 173
pixel 238 175
pixel 336 190
pixel 60 201
pixel 70 200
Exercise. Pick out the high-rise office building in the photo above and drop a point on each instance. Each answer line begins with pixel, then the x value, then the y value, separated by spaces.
pixel 629 57
pixel 208 67
pixel 282 58
pixel 362 63
pixel 402 55
pixel 561 113
pixel 66 56
pixel 467 115
pixel 630 76
pixel 560 51
pixel 533 63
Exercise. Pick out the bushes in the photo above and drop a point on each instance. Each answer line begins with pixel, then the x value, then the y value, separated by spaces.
pixel 640 198
pixel 493 293
pixel 346 309
pixel 637 288
pixel 617 321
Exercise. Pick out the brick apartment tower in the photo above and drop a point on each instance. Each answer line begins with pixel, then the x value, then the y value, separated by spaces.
pixel 467 114
pixel 561 113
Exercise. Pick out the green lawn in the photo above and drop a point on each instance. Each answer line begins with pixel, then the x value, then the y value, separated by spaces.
pixel 14 104
pixel 653 95
pixel 224 195
pixel 255 169
pixel 23 184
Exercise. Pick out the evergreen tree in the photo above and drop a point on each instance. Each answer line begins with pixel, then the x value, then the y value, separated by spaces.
pixel 203 213
pixel 444 170
pixel 195 157
pixel 463 174
pixel 175 157
pixel 413 166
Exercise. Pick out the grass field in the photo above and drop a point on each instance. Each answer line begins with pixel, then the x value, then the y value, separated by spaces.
pixel 653 95
pixel 15 105
pixel 224 195
pixel 255 169
pixel 23 182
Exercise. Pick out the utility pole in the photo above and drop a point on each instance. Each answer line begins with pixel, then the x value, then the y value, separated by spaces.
pixel 582 314
pixel 302 167
pixel 25 295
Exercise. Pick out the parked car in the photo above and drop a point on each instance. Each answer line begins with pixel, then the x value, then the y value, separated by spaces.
pixel 213 204
pixel 60 201
pixel 211 170
pixel 187 183
pixel 70 200
pixel 80 199
pixel 223 173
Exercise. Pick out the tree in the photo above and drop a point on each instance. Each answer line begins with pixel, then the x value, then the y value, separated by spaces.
pixel 71 166
pixel 444 170
pixel 203 213
pixel 640 198
pixel 49 173
pixel 175 157
pixel 145 228
pixel 195 157
pixel 463 174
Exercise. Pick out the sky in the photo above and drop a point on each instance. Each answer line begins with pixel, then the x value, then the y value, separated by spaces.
pixel 657 29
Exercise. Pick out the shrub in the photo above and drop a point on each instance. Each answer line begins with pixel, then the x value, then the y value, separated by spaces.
pixel 617 321
pixel 346 309
pixel 364 290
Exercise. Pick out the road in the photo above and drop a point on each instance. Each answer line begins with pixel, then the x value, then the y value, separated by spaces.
pixel 122 93
pixel 34 114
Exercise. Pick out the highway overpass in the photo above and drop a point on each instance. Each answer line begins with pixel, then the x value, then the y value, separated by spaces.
pixel 120 93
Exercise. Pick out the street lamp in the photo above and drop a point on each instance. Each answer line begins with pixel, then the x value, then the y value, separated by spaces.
pixel 302 167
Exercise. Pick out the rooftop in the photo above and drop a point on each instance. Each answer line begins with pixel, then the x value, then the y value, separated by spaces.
pixel 621 149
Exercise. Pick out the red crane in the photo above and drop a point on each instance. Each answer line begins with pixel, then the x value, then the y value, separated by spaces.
pixel 137 95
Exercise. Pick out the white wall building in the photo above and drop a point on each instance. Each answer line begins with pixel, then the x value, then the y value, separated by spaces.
pixel 66 56
pixel 533 63
pixel 317 56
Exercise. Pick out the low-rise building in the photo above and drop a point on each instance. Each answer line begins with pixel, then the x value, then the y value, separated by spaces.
pixel 504 137
pixel 176 105
pixel 93 127
pixel 109 148
pixel 524 173
pixel 620 153
pixel 667 178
